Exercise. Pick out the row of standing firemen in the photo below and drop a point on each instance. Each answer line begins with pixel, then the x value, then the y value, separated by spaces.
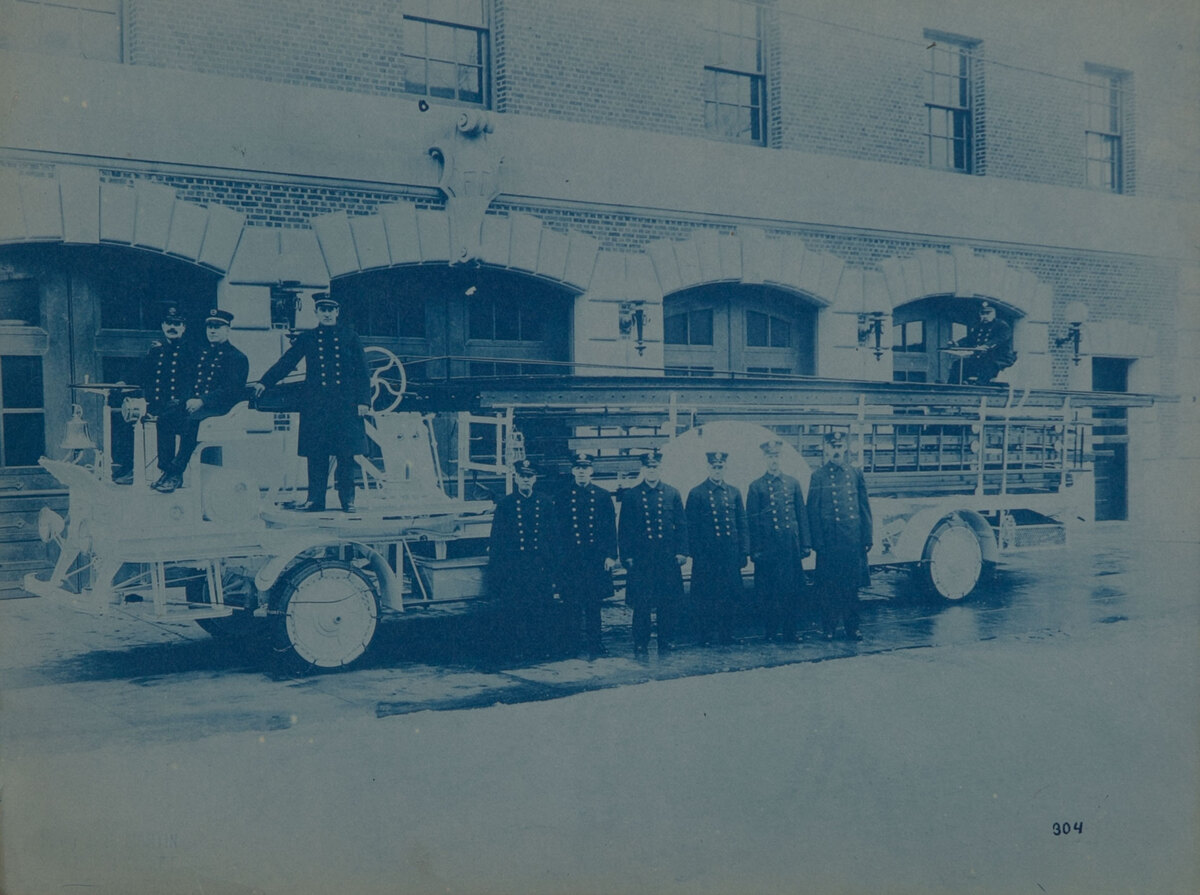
pixel 551 556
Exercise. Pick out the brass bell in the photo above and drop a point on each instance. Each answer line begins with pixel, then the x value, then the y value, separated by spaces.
pixel 77 438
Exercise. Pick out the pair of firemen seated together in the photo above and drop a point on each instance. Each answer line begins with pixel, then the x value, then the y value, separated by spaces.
pixel 991 344
pixel 545 544
pixel 184 383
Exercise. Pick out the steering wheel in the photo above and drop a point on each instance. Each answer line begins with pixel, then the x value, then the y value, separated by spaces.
pixel 388 380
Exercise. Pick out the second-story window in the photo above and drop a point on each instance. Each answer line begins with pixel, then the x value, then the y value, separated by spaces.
pixel 446 50
pixel 1105 118
pixel 89 29
pixel 734 71
pixel 950 76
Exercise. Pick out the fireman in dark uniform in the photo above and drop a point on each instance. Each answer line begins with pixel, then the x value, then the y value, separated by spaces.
pixel 720 545
pixel 587 553
pixel 518 573
pixel 839 521
pixel 992 340
pixel 334 398
pixel 215 382
pixel 164 371
pixel 778 542
pixel 652 533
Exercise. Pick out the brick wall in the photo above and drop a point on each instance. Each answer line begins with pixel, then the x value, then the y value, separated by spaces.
pixel 628 63
pixel 349 45
pixel 833 87
pixel 849 93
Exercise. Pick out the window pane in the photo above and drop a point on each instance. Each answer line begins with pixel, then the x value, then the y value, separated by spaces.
pixel 381 318
pixel 701 325
pixel 531 323
pixel 675 329
pixel 479 318
pixel 756 329
pixel 443 79
pixel 415 80
pixel 466 47
pixel 507 322
pixel 414 38
pixel 410 314
pixel 781 333
pixel 914 335
pixel 440 42
pixel 22 381
pixel 470 84
pixel 24 438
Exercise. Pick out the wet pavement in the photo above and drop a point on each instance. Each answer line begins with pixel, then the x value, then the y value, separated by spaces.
pixel 173 681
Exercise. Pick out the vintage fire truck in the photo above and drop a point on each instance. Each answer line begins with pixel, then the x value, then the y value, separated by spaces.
pixel 960 477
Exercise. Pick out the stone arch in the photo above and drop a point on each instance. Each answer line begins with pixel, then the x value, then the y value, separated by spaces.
pixel 339 244
pixel 71 205
pixel 746 256
pixel 968 275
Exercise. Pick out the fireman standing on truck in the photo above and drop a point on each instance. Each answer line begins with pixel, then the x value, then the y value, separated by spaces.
pixel 211 386
pixel 839 521
pixel 335 397
pixel 720 545
pixel 586 526
pixel 518 572
pixel 778 542
pixel 652 532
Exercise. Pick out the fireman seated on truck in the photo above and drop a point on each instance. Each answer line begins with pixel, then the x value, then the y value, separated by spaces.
pixel 210 387
pixel 993 343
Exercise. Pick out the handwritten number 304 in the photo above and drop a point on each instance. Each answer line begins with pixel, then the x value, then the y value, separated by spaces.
pixel 1066 828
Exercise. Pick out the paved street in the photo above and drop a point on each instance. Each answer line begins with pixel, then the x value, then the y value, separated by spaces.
pixel 935 755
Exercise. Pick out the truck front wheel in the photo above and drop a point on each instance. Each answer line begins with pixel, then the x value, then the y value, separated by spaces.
pixel 953 559
pixel 327 615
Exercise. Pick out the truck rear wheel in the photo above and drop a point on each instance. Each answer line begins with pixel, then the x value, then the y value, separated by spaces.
pixel 953 559
pixel 327 614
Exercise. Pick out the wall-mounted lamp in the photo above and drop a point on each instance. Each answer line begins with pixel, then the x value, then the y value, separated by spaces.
pixel 1077 315
pixel 631 321
pixel 871 324
pixel 285 302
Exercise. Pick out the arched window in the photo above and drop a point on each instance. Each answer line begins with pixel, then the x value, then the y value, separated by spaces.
pixel 922 328
pixel 461 321
pixel 740 328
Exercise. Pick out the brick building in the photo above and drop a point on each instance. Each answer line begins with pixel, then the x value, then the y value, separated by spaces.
pixel 493 183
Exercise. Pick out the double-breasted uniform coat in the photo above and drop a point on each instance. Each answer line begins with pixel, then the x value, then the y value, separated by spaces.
pixel 218 378
pixel 163 380
pixel 587 536
pixel 720 545
pixel 995 339
pixel 779 541
pixel 518 575
pixel 840 525
pixel 652 532
pixel 336 382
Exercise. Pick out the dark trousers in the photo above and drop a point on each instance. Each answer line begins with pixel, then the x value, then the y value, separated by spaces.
pixel 582 623
pixel 167 436
pixel 668 623
pixel 176 422
pixel 838 603
pixel 777 582
pixel 717 590
pixel 318 478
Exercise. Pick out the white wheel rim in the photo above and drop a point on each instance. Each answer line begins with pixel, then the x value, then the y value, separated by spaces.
pixel 955 561
pixel 331 617
pixel 388 388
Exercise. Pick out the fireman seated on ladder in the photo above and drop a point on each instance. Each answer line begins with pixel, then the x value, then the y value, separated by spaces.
pixel 992 343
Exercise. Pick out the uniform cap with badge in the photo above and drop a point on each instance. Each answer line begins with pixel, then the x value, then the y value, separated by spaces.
pixel 219 317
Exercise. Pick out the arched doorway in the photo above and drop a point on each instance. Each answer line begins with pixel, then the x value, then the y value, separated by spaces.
pixel 68 312
pixel 921 328
pixel 737 327
pixel 451 322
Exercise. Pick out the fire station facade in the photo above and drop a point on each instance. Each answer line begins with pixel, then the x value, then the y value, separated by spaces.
pixel 624 187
